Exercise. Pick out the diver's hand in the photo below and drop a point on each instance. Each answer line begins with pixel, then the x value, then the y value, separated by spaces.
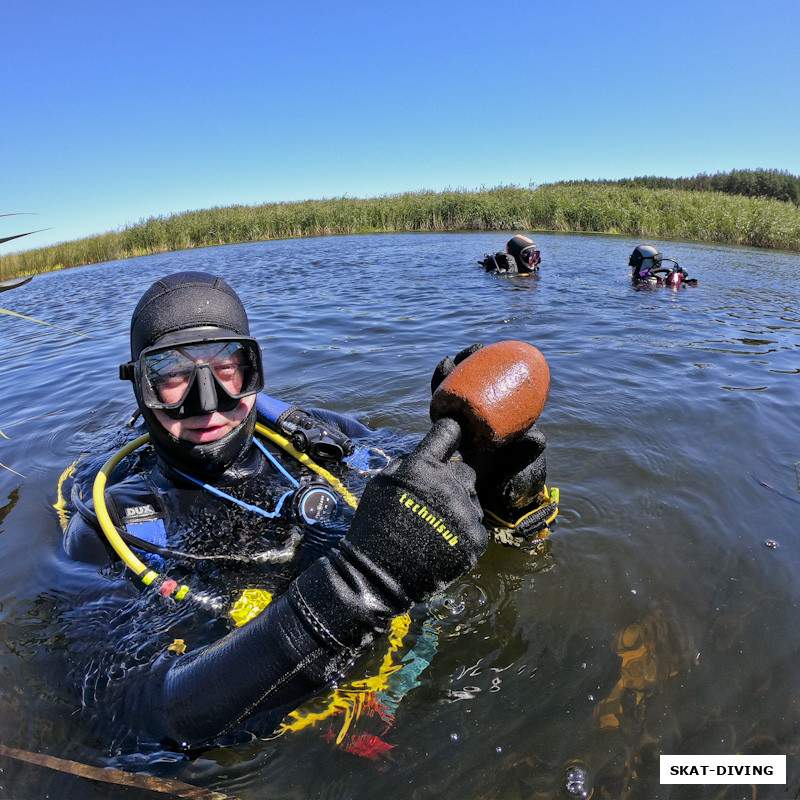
pixel 509 479
pixel 447 365
pixel 419 522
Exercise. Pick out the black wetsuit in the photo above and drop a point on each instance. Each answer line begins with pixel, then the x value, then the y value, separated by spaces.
pixel 126 645
pixel 158 667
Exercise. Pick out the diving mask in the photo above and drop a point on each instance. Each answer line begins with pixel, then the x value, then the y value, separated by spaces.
pixel 531 256
pixel 197 377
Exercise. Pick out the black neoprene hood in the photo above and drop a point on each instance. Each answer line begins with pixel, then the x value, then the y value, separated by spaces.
pixel 198 304
pixel 185 300
pixel 518 244
pixel 642 252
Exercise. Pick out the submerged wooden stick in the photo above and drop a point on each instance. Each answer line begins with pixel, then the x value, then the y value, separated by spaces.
pixel 115 776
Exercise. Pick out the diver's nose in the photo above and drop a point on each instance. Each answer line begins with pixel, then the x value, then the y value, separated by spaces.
pixel 206 391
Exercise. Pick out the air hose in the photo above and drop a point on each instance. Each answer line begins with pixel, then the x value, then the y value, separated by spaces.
pixel 166 586
pixel 146 575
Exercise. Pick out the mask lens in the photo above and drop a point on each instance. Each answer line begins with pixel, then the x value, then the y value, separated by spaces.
pixel 169 373
pixel 530 255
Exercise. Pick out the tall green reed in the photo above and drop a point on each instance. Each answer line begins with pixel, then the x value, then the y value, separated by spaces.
pixel 632 210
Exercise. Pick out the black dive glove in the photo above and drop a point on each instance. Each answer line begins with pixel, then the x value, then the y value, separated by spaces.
pixel 509 479
pixel 419 520
pixel 417 528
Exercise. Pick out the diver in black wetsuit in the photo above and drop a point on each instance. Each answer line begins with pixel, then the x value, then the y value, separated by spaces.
pixel 521 257
pixel 211 505
pixel 649 268
pixel 176 670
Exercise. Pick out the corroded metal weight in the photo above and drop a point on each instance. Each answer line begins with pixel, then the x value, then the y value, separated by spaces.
pixel 495 394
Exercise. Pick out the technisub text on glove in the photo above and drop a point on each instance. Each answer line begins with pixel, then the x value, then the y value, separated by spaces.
pixel 432 520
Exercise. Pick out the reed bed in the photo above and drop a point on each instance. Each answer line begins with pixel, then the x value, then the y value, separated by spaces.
pixel 637 211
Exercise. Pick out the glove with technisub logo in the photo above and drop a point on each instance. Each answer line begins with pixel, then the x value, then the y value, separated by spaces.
pixel 420 520
pixel 417 529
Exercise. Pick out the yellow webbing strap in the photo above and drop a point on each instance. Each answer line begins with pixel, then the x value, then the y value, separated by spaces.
pixel 351 699
pixel 546 498
pixel 60 505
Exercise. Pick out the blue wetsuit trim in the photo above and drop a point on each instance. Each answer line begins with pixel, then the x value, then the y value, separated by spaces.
pixel 249 506
pixel 276 463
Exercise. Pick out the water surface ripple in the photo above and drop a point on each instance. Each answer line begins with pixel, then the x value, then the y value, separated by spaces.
pixel 662 616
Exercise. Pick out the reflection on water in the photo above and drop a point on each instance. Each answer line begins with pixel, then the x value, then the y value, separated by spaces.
pixel 13 499
pixel 659 618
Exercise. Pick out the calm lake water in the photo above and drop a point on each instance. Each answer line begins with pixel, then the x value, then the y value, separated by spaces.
pixel 664 616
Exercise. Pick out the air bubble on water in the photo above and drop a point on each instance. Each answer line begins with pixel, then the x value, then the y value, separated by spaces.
pixel 453 605
pixel 575 783
pixel 457 601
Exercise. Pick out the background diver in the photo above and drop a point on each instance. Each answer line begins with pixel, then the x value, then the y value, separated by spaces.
pixel 648 268
pixel 521 256
pixel 257 589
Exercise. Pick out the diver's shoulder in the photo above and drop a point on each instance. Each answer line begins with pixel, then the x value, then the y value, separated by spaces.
pixel 346 424
pixel 83 538
pixel 83 542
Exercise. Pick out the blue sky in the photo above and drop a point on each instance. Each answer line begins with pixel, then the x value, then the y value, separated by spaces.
pixel 114 112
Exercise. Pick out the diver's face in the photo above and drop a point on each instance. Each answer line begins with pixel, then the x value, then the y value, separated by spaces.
pixel 208 427
pixel 208 369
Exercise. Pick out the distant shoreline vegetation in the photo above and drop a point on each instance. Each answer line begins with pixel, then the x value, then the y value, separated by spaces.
pixel 758 208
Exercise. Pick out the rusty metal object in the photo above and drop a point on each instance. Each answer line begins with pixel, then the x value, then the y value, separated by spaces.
pixel 495 394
